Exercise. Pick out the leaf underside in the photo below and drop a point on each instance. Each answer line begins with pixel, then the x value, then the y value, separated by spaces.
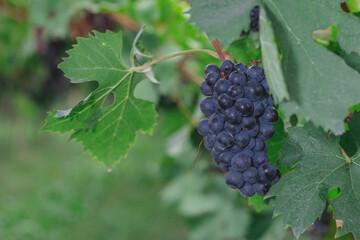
pixel 321 85
pixel 301 194
pixel 224 19
pixel 107 132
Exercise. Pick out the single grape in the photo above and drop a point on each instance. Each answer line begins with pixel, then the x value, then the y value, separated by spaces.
pixel 235 148
pixel 267 172
pixel 255 73
pixel 277 178
pixel 251 175
pixel 207 106
pixel 248 152
pixel 254 19
pixel 236 92
pixel 254 131
pixel 225 101
pixel 225 157
pixel 259 159
pixel 233 116
pixel 265 149
pixel 244 106
pixel 258 108
pixel 253 90
pixel 211 68
pixel 270 115
pixel 221 86
pixel 270 101
pixel 224 167
pixel 247 190
pixel 242 139
pixel 209 141
pixel 266 131
pixel 216 155
pixel 237 78
pixel 264 101
pixel 226 67
pixel 220 110
pixel 216 123
pixel 231 128
pixel 251 144
pixel 211 78
pixel 259 144
pixel 224 140
pixel 206 89
pixel 249 122
pixel 203 128
pixel 240 67
pixel 265 84
pixel 241 162
pixel 261 188
pixel 234 179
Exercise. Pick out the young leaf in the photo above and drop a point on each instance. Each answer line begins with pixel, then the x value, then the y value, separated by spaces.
pixel 222 19
pixel 107 132
pixel 321 85
pixel 271 58
pixel 301 195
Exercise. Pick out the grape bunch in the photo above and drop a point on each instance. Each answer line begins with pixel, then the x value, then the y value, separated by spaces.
pixel 241 118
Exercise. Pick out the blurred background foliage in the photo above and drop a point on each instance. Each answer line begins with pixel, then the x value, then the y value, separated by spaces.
pixel 50 189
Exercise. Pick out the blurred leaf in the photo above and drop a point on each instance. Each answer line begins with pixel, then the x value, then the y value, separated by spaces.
pixel 107 132
pixel 271 58
pixel 321 85
pixel 257 201
pixel 302 194
pixel 243 50
pixel 224 20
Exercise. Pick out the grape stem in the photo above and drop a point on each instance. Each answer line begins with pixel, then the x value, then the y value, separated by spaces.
pixel 182 53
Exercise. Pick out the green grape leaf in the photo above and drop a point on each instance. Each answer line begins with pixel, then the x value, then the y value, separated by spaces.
pixel 320 167
pixel 106 131
pixel 271 59
pixel 224 20
pixel 320 83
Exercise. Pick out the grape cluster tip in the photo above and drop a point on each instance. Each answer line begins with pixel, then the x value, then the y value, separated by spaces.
pixel 241 116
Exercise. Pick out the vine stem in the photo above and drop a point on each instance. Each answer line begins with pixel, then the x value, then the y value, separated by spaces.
pixel 186 52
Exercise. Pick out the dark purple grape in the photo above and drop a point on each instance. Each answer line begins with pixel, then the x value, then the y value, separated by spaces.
pixel 235 148
pixel 259 159
pixel 253 90
pixel 277 178
pixel 265 84
pixel 225 101
pixel 240 67
pixel 267 172
pixel 203 128
pixel 254 131
pixel 270 101
pixel 254 19
pixel 209 141
pixel 255 73
pixel 211 78
pixel 265 149
pixel 241 162
pixel 206 89
pixel 234 179
pixel 248 152
pixel 221 86
pixel 258 108
pixel 266 131
pixel 236 92
pixel 259 144
pixel 224 167
pixel 244 106
pixel 242 139
pixel 224 140
pixel 216 123
pixel 233 116
pixel 226 67
pixel 249 122
pixel 220 110
pixel 207 106
pixel 211 68
pixel 251 175
pixel 251 144
pixel 264 101
pixel 216 155
pixel 270 115
pixel 233 129
pixel 261 188
pixel 247 190
pixel 225 157
pixel 237 78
